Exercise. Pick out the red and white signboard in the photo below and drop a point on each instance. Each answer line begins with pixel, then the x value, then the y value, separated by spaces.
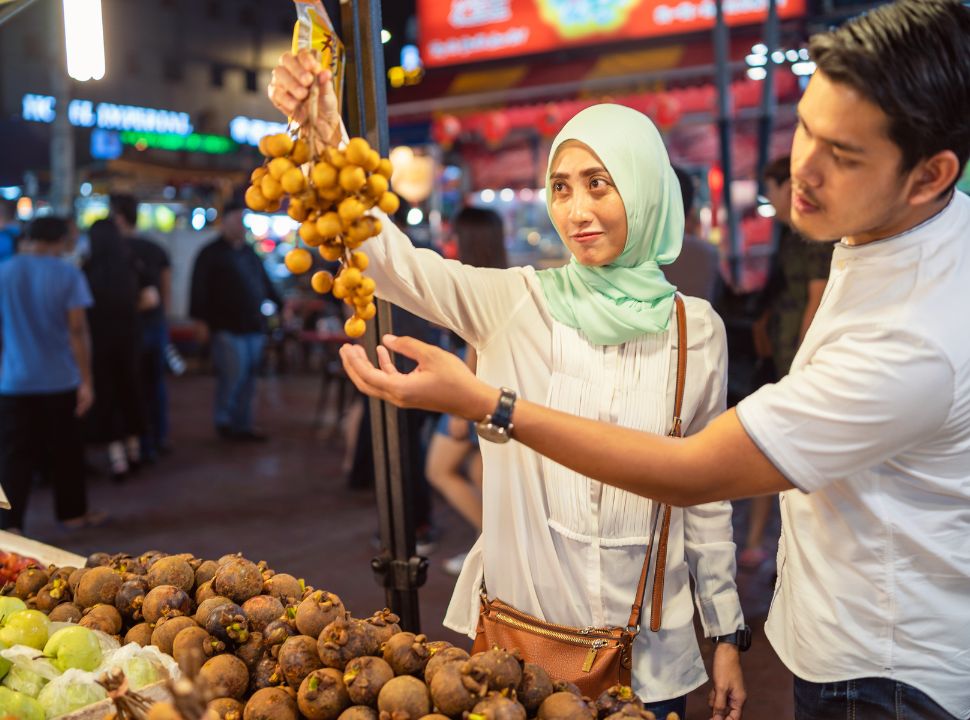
pixel 460 31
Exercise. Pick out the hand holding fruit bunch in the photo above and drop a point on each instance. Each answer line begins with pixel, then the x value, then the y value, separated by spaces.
pixel 330 189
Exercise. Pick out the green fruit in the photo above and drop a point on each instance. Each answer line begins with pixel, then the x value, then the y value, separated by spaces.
pixel 27 627
pixel 4 664
pixel 18 705
pixel 24 681
pixel 9 605
pixel 58 700
pixel 74 647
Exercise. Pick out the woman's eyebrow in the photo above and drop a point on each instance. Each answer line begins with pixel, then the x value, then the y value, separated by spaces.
pixel 582 173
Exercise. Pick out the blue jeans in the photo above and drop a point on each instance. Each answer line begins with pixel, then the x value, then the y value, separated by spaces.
pixel 665 707
pixel 236 359
pixel 866 699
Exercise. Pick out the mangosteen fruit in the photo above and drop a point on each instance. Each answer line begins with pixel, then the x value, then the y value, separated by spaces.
pixel 140 633
pixel 228 622
pixel 261 610
pixel 65 612
pixel 496 706
pixel 271 703
pixel 566 706
pixel 344 639
pixel 277 631
pixel 454 692
pixel 322 695
pixel 194 645
pixel 205 572
pixel 364 678
pixel 172 570
pixel 406 653
pixel 316 611
pixel 285 588
pixel 536 686
pixel 251 651
pixel 386 624
pixel 268 673
pixel 614 699
pixel 632 712
pixel 162 601
pixel 298 658
pixel 97 585
pixel 129 599
pixel 226 709
pixel 167 629
pixel 358 712
pixel 442 658
pixel 238 579
pixel 404 695
pixel 207 606
pixel 105 618
pixel 225 675
pixel 566 686
pixel 74 579
pixel 98 559
pixel 204 592
pixel 503 669
pixel 50 596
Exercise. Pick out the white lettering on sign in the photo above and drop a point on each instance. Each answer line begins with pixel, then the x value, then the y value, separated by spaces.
pixel 471 13
pixel 248 131
pixel 38 108
pixel 479 42
pixel 80 113
pixel 691 10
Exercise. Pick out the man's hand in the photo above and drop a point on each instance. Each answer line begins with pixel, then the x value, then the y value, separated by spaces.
pixel 85 398
pixel 441 382
pixel 727 696
pixel 289 89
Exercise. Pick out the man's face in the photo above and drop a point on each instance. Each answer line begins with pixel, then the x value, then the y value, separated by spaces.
pixel 846 180
pixel 585 206
pixel 779 195
pixel 232 226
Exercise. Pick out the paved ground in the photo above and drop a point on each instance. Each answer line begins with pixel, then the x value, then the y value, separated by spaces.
pixel 285 502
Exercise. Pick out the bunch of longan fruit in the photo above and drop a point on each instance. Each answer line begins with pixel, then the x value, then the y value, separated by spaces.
pixel 330 197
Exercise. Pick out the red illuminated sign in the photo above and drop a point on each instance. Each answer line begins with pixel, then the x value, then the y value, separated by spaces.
pixel 460 31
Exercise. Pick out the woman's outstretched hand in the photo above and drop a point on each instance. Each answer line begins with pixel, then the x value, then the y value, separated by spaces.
pixel 293 78
pixel 441 382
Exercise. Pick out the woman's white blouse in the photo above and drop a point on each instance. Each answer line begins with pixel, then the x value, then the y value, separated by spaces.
pixel 556 544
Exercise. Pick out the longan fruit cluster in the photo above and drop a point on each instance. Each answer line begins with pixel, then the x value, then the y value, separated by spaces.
pixel 330 197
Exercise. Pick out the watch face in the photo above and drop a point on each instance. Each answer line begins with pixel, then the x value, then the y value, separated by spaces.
pixel 492 433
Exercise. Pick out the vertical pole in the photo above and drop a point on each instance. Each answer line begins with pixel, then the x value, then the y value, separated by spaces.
pixel 62 134
pixel 397 568
pixel 767 120
pixel 724 124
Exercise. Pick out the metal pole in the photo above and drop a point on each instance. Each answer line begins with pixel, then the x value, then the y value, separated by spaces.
pixel 724 124
pixel 397 568
pixel 62 134
pixel 768 102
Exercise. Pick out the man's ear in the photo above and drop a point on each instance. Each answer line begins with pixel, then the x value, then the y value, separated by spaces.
pixel 932 176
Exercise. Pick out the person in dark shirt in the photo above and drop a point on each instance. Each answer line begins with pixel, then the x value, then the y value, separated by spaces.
pixel 696 271
pixel 154 267
pixel 229 287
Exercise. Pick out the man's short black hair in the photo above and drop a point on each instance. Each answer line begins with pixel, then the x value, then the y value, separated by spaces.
pixel 912 59
pixel 778 170
pixel 125 206
pixel 48 229
pixel 686 189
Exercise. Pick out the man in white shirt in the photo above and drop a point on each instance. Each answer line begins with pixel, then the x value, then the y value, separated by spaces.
pixel 868 438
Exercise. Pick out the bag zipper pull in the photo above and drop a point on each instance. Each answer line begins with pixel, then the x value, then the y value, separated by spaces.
pixel 591 655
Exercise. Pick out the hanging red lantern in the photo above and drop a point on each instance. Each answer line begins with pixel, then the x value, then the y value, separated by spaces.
pixel 496 128
pixel 549 121
pixel 668 111
pixel 446 130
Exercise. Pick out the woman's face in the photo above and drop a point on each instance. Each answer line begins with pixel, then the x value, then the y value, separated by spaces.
pixel 585 206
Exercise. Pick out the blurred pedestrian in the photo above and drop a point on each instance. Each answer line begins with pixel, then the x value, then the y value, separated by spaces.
pixel 154 266
pixel 697 271
pixel 229 289
pixel 117 417
pixel 789 301
pixel 9 228
pixel 45 376
pixel 454 464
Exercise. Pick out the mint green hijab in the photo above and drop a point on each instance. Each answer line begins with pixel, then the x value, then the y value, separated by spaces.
pixel 629 297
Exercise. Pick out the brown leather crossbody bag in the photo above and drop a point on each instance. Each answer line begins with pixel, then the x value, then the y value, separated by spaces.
pixel 594 659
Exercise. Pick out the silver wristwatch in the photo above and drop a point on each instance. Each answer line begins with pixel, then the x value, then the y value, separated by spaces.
pixel 497 427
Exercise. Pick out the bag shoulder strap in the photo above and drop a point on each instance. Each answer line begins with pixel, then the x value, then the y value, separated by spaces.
pixel 664 510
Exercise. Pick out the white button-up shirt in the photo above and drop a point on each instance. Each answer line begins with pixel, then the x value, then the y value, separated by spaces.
pixel 873 424
pixel 556 544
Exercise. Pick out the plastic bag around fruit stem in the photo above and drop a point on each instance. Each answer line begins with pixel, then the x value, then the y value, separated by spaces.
pixel 31 659
pixel 315 31
pixel 71 691
pixel 123 656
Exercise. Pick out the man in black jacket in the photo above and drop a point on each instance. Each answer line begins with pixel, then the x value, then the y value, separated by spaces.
pixel 229 289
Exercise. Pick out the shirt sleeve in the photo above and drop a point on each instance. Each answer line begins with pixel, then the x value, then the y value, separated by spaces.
pixel 79 293
pixel 473 302
pixel 862 399
pixel 708 530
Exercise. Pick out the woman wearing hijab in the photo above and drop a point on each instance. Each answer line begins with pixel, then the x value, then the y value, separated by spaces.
pixel 593 338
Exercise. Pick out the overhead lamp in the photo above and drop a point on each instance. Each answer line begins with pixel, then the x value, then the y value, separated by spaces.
pixel 84 39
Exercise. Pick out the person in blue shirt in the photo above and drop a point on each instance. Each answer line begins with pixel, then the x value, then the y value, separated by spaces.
pixel 9 228
pixel 45 375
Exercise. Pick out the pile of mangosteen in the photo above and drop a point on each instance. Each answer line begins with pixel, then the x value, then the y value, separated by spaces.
pixel 267 647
